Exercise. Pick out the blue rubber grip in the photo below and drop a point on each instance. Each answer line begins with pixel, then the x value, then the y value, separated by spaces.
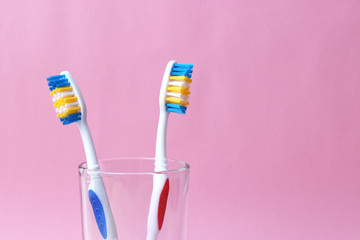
pixel 98 213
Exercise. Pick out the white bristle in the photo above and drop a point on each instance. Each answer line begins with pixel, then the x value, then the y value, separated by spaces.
pixel 67 94
pixel 59 95
pixel 173 94
pixel 179 83
pixel 70 105
pixel 177 95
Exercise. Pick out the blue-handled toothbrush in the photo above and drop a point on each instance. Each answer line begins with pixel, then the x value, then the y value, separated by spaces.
pixel 70 107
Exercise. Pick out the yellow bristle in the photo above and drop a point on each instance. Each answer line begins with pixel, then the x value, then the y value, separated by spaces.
pixel 60 89
pixel 178 89
pixel 64 89
pixel 176 101
pixel 69 100
pixel 180 78
pixel 64 100
pixel 72 110
pixel 57 103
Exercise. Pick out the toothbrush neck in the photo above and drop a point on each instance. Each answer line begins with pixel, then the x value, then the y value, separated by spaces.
pixel 160 154
pixel 89 148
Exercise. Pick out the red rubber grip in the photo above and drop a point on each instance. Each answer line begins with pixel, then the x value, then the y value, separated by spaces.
pixel 162 203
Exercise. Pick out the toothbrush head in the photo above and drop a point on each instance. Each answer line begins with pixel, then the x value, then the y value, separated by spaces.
pixel 68 102
pixel 177 90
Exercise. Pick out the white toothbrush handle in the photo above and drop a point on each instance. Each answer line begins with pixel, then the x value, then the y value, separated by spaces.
pixel 96 191
pixel 160 154
pixel 160 182
pixel 89 147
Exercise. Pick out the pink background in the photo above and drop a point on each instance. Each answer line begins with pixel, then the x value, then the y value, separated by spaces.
pixel 272 132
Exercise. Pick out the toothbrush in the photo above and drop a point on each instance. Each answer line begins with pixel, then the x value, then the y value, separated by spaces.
pixel 173 97
pixel 70 107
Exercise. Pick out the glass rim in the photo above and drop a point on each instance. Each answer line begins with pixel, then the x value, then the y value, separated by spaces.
pixel 184 167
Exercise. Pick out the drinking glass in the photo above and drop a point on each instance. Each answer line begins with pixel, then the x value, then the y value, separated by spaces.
pixel 128 183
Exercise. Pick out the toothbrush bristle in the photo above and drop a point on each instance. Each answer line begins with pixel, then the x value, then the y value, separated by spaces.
pixel 65 100
pixel 177 92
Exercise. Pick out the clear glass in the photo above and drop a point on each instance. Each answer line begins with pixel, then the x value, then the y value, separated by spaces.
pixel 129 183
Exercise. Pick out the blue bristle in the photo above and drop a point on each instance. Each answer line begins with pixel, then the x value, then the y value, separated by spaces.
pixel 182 70
pixel 55 77
pixel 68 121
pixel 62 84
pixel 177 106
pixel 183 65
pixel 71 117
pixel 182 73
pixel 57 81
pixel 52 81
pixel 175 110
